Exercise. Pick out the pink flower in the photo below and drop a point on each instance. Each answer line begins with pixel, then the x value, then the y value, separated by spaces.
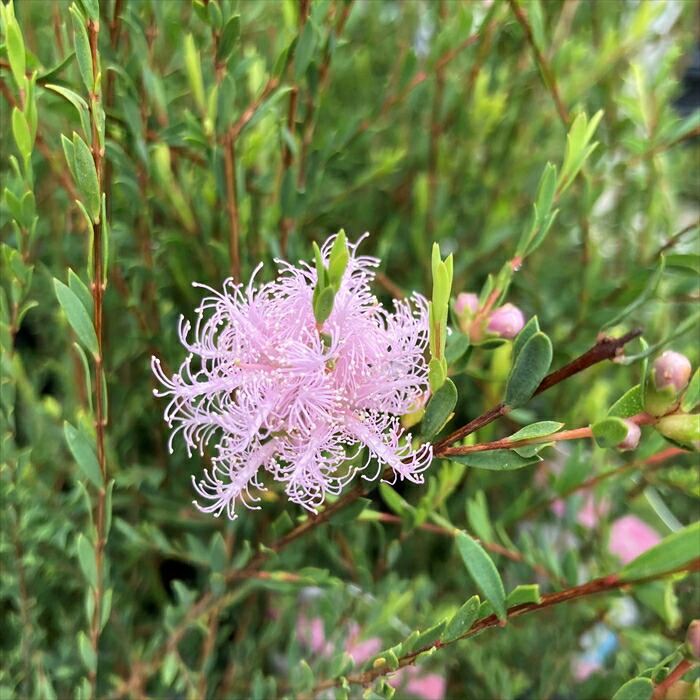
pixel 277 393
pixel 630 536
pixel 506 321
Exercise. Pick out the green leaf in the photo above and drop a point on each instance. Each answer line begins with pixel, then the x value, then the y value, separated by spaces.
pixel 78 102
pixel 77 316
pixel 323 306
pixel 428 637
pixel 636 689
pixel 86 177
pixel 105 608
pixel 529 368
pixel 20 131
pixel 81 291
pixel 483 571
pixel 84 454
pixel 193 67
pixel 523 594
pixel 629 404
pixel 439 410
pixel 229 37
pixel 91 9
pixel 86 558
pixel 497 460
pixel 87 653
pixel 436 374
pixel 685 261
pixel 217 553
pixel 528 330
pixel 395 502
pixel 462 620
pixel 671 553
pixel 338 260
pixel 692 393
pixel 15 50
pixel 304 51
pixel 352 512
pixel 536 430
pixel 609 432
pixel 82 48
pixel 478 517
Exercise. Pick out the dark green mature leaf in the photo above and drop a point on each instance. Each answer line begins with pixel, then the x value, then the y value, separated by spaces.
pixel 87 653
pixel 428 637
pixel 305 50
pixel 483 571
pixel 229 37
pixel 439 410
pixel 82 48
pixel 86 558
pixel 636 689
pixel 460 623
pixel 609 432
pixel 529 368
pixel 15 50
pixel 77 316
pixel 84 454
pixel 86 177
pixel 352 512
pixel 671 553
pixel 528 330
pixel 91 9
pixel 497 460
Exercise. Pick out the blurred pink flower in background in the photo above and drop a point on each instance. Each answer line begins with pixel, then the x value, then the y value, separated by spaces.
pixel 411 680
pixel 630 536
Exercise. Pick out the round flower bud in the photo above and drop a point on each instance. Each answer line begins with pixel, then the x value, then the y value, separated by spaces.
pixel 671 369
pixel 506 321
pixel 683 428
pixel 668 377
pixel 634 432
pixel 466 304
pixel 692 638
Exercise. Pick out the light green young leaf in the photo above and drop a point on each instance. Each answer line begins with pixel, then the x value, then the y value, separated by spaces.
pixel 87 653
pixel 86 177
pixel 82 48
pixel 84 454
pixel 483 572
pixel 193 67
pixel 691 397
pixel 497 460
pixel 536 430
pixel 91 9
pixel 77 316
pixel 81 291
pixel 524 593
pixel 629 404
pixel 14 43
pixel 609 432
pixel 323 306
pixel 635 689
pixel 20 131
pixel 338 260
pixel 462 620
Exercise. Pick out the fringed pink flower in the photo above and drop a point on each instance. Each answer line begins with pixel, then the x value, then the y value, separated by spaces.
pixel 276 393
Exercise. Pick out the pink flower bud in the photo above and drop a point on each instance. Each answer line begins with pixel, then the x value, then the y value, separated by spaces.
pixel 506 321
pixel 634 432
pixel 466 303
pixel 692 638
pixel 673 370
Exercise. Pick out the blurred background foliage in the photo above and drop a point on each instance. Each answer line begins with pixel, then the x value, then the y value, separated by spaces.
pixel 240 131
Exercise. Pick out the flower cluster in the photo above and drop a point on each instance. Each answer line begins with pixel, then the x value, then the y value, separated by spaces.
pixel 276 392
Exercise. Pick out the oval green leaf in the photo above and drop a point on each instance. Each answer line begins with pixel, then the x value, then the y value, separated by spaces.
pixel 229 37
pixel 529 368
pixel 671 553
pixel 462 620
pixel 86 558
pixel 536 430
pixel 86 177
pixel 629 404
pixel 439 410
pixel 483 571
pixel 323 306
pixel 609 432
pixel 77 316
pixel 528 330
pixel 84 454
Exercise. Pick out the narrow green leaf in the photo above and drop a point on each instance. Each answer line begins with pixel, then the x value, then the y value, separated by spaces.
pixel 108 508
pixel 84 454
pixel 478 517
pixel 609 432
pixel 483 571
pixel 91 9
pixel 69 153
pixel 81 291
pixel 462 620
pixel 323 306
pixel 86 177
pixel 671 553
pixel 87 653
pixel 82 48
pixel 77 316
pixel 193 67
pixel 304 51
pixel 15 50
pixel 439 410
pixel 635 689
pixel 14 206
pixel 338 260
pixel 397 504
pixel 106 607
pixel 436 374
pixel 428 637
pixel 20 131
pixel 629 404
pixel 529 368
pixel 229 37
pixel 536 430
pixel 497 460
pixel 217 553
pixel 78 102
pixel 86 558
